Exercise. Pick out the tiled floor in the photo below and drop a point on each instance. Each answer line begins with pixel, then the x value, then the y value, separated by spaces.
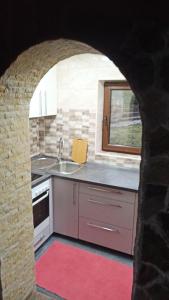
pixel 124 258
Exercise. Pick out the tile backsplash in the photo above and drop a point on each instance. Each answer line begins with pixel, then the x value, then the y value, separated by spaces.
pixel 34 136
pixel 46 131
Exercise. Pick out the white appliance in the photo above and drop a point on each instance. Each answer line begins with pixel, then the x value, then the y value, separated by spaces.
pixel 42 212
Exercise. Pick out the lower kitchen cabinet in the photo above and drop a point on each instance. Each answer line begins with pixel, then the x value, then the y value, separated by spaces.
pixel 107 216
pixel 65 201
pixel 105 234
pixel 101 215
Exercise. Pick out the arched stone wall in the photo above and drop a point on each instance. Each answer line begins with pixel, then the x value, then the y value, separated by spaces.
pixel 16 88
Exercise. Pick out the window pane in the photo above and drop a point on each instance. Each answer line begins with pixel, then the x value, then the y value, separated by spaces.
pixel 125 122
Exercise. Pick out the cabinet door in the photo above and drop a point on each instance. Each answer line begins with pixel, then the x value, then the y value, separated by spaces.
pixel 50 92
pixel 44 99
pixel 35 108
pixel 65 218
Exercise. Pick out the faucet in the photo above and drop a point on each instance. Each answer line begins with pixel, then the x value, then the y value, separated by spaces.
pixel 60 146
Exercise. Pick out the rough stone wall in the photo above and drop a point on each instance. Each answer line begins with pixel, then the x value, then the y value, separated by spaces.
pixel 16 231
pixel 146 65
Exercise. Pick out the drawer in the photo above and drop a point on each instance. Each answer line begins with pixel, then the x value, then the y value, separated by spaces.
pixel 40 238
pixel 105 235
pixel 135 222
pixel 106 210
pixel 112 193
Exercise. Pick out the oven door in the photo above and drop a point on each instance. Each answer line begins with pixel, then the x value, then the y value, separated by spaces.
pixel 40 208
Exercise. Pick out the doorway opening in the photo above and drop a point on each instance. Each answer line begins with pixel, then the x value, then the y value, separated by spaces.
pixel 17 86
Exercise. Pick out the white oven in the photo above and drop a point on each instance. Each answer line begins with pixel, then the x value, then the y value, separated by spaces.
pixel 42 212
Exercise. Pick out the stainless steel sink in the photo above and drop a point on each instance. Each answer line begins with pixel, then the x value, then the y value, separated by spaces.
pixel 66 167
pixel 43 162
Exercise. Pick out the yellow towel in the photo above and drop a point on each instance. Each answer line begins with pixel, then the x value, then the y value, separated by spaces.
pixel 79 150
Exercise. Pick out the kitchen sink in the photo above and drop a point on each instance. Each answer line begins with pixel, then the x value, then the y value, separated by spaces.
pixel 66 167
pixel 43 162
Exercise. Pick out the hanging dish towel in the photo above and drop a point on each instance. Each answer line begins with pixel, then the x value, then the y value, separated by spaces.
pixel 79 150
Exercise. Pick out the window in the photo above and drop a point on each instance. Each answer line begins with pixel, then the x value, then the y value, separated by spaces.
pixel 122 127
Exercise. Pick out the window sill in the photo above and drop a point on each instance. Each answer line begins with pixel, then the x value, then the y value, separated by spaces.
pixel 123 160
pixel 118 155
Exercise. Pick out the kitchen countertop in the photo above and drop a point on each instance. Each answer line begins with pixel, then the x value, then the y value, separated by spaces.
pixel 97 173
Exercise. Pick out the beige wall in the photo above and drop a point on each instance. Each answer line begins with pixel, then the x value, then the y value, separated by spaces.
pixel 78 78
pixel 80 82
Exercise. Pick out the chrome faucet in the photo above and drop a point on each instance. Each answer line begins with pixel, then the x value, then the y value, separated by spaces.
pixel 60 146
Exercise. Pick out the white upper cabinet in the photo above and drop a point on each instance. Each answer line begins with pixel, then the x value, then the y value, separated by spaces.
pixel 44 99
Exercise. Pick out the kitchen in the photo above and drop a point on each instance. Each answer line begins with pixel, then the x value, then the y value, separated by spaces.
pixel 31 44
pixel 77 114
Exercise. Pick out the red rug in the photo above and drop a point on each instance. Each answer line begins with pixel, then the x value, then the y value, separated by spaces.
pixel 76 274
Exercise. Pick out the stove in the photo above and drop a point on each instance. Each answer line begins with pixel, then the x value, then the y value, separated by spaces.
pixel 42 211
pixel 35 176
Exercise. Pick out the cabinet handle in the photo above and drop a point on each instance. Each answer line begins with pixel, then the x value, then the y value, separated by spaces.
pixel 103 228
pixel 104 204
pixel 74 196
pixel 40 199
pixel 103 190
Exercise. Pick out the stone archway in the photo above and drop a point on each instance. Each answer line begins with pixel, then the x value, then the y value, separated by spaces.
pixel 16 88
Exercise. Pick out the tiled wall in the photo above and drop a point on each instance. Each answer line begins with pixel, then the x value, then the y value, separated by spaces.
pixel 43 135
pixel 76 124
pixel 45 132
pixel 34 136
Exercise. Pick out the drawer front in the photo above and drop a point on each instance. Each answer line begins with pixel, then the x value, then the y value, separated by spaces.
pixel 105 235
pixel 106 210
pixel 98 190
pixel 40 238
pixel 135 222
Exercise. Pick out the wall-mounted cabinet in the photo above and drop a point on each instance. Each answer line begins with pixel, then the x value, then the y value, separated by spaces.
pixel 44 99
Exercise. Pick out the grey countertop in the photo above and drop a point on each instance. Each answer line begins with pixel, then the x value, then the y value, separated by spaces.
pixel 97 173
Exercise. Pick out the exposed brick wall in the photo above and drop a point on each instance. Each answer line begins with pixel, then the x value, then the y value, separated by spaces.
pixel 16 88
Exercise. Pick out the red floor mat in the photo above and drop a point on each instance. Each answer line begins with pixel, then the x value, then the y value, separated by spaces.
pixel 76 274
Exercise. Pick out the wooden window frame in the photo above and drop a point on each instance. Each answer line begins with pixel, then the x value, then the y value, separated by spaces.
pixel 108 86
